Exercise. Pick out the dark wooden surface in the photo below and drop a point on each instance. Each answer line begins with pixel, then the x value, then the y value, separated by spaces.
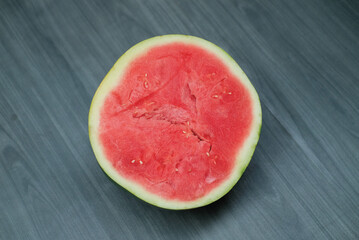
pixel 302 57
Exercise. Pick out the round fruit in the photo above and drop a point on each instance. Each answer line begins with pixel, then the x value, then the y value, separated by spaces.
pixel 175 122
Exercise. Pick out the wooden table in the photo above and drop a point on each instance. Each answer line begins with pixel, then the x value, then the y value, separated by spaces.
pixel 302 57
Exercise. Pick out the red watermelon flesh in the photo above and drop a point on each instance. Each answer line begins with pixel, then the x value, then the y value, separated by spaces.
pixel 176 121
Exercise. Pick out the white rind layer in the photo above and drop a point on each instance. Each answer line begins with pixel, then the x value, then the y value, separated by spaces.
pixel 113 79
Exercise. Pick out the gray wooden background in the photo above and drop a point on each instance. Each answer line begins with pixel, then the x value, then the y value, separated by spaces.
pixel 302 57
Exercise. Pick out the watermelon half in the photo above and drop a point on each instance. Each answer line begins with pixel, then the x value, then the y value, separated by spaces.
pixel 175 122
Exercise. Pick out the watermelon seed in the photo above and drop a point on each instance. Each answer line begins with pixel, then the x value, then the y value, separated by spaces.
pixel 184 131
pixel 215 96
pixel 214 162
pixel 141 162
pixel 145 74
pixel 229 93
pixel 207 154
pixel 145 84
pixel 176 169
pixel 133 161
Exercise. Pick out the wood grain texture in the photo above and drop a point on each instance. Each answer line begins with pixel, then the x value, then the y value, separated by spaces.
pixel 302 57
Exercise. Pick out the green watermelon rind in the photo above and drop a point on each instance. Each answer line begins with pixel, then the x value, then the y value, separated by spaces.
pixel 112 79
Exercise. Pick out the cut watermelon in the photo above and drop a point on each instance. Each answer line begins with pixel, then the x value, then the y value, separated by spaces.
pixel 175 122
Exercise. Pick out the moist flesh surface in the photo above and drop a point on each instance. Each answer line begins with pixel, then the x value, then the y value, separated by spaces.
pixel 176 121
